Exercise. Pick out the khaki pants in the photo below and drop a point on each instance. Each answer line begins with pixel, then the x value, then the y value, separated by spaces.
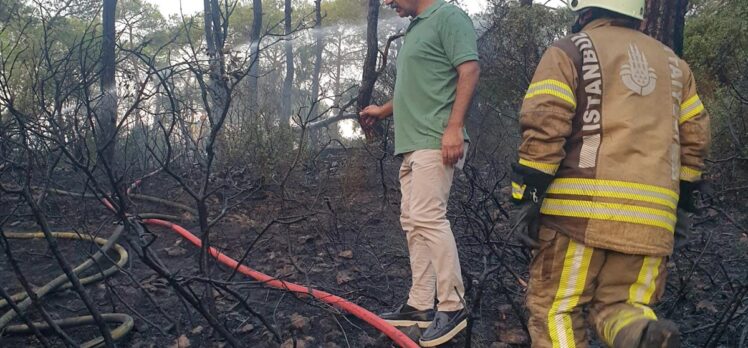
pixel 566 275
pixel 425 183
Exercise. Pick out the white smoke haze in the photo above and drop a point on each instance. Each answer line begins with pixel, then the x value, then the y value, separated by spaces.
pixel 189 7
pixel 353 41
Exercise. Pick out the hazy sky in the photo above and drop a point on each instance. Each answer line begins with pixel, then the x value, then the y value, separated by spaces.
pixel 169 7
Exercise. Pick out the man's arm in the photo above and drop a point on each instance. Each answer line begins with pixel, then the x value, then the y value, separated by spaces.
pixel 453 140
pixel 373 113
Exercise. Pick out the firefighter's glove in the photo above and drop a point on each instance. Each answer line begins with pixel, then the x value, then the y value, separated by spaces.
pixel 525 223
pixel 687 200
pixel 682 229
pixel 528 190
pixel 691 198
pixel 694 194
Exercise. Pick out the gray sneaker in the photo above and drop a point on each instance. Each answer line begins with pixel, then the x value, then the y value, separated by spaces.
pixel 406 316
pixel 445 326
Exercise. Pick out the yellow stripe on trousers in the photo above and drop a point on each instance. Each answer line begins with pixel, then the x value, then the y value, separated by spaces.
pixel 640 296
pixel 570 289
pixel 640 293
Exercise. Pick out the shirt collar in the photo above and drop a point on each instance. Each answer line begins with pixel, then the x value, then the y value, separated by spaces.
pixel 429 11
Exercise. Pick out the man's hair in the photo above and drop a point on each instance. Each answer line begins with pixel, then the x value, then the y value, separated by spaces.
pixel 590 14
pixel 620 19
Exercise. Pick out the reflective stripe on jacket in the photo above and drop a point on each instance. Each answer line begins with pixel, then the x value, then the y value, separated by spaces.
pixel 614 115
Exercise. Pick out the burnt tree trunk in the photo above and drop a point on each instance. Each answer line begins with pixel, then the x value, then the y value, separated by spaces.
pixel 530 53
pixel 254 69
pixel 338 85
pixel 286 106
pixel 665 20
pixel 369 77
pixel 106 115
pixel 318 47
pixel 216 99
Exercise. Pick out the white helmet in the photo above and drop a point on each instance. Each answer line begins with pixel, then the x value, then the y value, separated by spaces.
pixel 631 8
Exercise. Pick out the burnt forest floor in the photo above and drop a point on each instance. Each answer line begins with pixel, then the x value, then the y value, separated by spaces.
pixel 338 231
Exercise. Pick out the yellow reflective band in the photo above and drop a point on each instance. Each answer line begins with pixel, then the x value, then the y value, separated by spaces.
pixel 570 289
pixel 621 184
pixel 547 168
pixel 689 102
pixel 641 291
pixel 614 189
pixel 518 191
pixel 616 323
pixel 640 296
pixel 622 319
pixel 553 88
pixel 690 109
pixel 688 174
pixel 609 211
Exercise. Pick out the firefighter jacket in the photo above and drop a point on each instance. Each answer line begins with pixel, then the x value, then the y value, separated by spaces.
pixel 614 116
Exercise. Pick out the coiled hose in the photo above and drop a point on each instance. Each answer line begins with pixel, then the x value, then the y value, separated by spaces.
pixel 62 282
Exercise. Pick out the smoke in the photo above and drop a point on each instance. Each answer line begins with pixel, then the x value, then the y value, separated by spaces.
pixel 385 25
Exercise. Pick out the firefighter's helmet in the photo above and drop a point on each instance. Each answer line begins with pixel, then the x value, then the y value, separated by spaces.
pixel 631 8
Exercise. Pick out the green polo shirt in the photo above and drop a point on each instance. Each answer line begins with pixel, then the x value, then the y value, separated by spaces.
pixel 437 41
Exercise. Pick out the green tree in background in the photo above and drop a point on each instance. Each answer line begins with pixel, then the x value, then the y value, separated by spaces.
pixel 716 46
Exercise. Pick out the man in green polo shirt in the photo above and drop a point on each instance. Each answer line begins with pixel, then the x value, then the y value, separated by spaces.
pixel 437 72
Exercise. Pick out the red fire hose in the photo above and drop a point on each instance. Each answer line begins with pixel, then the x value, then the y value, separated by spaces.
pixel 369 317
pixel 372 319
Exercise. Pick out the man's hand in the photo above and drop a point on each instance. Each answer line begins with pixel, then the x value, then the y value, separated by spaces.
pixel 453 143
pixel 372 114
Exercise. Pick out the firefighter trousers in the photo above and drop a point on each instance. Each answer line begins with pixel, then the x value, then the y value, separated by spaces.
pixel 617 289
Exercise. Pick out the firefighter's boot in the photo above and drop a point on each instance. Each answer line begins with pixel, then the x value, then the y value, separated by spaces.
pixel 648 334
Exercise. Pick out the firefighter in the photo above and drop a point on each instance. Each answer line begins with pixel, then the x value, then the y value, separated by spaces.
pixel 614 137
